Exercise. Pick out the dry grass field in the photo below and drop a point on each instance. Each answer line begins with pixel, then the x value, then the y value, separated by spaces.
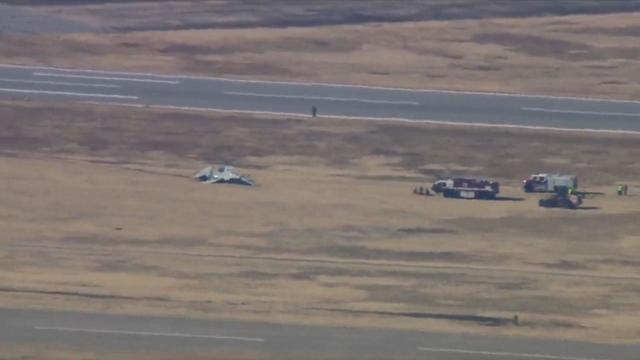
pixel 145 15
pixel 584 55
pixel 99 213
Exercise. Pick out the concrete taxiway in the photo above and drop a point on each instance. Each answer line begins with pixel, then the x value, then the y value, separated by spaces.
pixel 331 100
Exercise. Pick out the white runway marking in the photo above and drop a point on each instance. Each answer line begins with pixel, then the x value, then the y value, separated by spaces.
pixel 500 353
pixel 354 86
pixel 135 105
pixel 59 83
pixel 405 120
pixel 66 93
pixel 149 333
pixel 237 93
pixel 172 82
pixel 582 112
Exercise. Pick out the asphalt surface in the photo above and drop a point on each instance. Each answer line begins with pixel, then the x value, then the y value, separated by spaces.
pixel 181 337
pixel 331 100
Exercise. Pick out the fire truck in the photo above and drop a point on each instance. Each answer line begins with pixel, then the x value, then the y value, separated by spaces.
pixel 549 182
pixel 467 188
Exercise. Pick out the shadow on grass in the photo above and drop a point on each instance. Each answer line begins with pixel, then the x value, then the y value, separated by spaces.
pixel 507 198
pixel 590 193
pixel 78 294
pixel 478 319
pixel 497 198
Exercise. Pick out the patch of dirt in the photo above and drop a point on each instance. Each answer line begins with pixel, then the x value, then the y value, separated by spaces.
pixel 127 241
pixel 362 252
pixel 622 262
pixel 597 226
pixel 424 230
pixel 567 265
pixel 538 45
pixel 205 65
pixel 632 31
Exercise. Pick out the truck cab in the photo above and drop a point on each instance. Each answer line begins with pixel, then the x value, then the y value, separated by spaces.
pixel 544 182
pixel 536 183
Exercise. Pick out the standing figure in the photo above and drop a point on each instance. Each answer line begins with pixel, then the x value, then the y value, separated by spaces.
pixel 314 111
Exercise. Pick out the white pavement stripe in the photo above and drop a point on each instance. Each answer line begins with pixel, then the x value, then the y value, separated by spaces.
pixel 135 105
pixel 149 333
pixel 507 354
pixel 582 112
pixel 58 83
pixel 66 93
pixel 463 92
pixel 413 121
pixel 237 93
pixel 172 82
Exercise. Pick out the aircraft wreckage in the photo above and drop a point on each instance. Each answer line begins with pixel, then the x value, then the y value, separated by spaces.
pixel 222 175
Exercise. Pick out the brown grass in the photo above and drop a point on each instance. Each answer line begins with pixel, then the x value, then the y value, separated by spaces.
pixel 98 214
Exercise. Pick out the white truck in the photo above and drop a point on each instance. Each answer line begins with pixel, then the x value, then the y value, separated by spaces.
pixel 549 182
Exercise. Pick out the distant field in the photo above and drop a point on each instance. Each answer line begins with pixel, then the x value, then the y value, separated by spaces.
pixel 124 15
pixel 99 213
pixel 581 55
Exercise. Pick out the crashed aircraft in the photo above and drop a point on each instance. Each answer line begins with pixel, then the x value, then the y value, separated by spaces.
pixel 221 175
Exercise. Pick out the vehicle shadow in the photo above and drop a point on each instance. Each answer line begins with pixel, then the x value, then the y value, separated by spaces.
pixel 507 198
pixel 590 193
pixel 588 208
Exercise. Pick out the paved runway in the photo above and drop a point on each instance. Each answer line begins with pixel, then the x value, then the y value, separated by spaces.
pixel 331 100
pixel 181 337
